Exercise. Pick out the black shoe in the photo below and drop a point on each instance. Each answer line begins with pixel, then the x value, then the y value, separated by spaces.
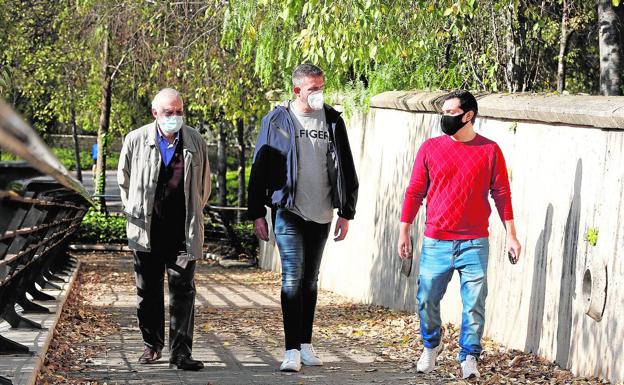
pixel 150 356
pixel 185 363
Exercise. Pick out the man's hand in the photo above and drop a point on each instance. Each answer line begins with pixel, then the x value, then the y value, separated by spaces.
pixel 261 229
pixel 405 249
pixel 341 229
pixel 513 248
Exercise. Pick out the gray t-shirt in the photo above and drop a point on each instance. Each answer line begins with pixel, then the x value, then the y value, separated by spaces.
pixel 313 199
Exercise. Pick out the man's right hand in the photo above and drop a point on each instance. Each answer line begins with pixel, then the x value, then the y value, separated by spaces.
pixel 261 229
pixel 404 241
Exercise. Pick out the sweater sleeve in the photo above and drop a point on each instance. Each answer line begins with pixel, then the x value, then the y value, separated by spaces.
pixel 499 186
pixel 417 188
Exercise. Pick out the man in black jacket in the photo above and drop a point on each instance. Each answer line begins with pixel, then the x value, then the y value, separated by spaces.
pixel 302 169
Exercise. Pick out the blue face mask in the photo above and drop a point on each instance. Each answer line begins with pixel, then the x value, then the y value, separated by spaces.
pixel 170 124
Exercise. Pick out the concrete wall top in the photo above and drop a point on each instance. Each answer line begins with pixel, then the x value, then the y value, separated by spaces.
pixel 577 110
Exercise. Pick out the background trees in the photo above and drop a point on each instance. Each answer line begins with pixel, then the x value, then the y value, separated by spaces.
pixel 95 64
pixel 489 45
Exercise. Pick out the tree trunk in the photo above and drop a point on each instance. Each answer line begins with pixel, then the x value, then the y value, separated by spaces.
pixel 107 85
pixel 240 134
pixel 610 46
pixel 619 11
pixel 563 46
pixel 72 117
pixel 222 166
pixel 516 39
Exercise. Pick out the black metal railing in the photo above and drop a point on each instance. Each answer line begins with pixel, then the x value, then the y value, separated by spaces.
pixel 41 206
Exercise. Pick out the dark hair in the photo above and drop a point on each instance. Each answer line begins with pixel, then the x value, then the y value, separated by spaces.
pixel 305 70
pixel 467 101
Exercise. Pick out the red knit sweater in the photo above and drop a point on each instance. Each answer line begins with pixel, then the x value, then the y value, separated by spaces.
pixel 456 178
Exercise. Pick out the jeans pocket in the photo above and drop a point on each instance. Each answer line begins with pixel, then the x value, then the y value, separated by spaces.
pixel 283 223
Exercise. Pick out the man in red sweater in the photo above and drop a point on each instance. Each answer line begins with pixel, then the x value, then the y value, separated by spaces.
pixel 455 172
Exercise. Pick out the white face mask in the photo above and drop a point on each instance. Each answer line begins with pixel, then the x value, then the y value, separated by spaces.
pixel 316 100
pixel 170 124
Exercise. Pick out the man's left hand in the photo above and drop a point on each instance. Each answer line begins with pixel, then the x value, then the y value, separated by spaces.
pixel 513 248
pixel 341 229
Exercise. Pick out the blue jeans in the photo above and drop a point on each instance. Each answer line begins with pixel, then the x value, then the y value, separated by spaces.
pixel 438 260
pixel 301 245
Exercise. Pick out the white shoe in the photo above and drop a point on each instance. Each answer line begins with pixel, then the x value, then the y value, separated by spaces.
pixel 292 361
pixel 309 356
pixel 427 361
pixel 469 367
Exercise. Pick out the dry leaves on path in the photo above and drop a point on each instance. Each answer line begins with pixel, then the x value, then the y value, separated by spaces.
pixel 391 336
pixel 79 335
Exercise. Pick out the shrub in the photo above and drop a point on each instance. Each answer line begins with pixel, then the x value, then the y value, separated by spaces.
pixel 248 239
pixel 98 227
pixel 68 159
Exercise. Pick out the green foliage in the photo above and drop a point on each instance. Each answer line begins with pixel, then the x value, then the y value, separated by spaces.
pixel 232 184
pixel 8 156
pixel 409 44
pixel 231 178
pixel 355 97
pixel 248 239
pixel 394 45
pixel 97 227
pixel 67 158
pixel 592 236
pixel 225 57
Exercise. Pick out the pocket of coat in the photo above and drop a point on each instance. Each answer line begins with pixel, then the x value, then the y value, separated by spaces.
pixel 134 227
pixel 136 211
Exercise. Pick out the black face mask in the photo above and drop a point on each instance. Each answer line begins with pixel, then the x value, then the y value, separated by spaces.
pixel 452 124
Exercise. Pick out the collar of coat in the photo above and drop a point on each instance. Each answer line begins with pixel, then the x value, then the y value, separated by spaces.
pixel 187 142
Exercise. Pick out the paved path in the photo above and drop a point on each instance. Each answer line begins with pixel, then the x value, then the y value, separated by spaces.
pixel 238 334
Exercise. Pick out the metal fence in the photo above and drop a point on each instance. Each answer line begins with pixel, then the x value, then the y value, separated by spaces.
pixel 41 206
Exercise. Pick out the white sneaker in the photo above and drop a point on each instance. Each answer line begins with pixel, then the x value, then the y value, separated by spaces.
pixel 469 367
pixel 309 356
pixel 427 360
pixel 292 361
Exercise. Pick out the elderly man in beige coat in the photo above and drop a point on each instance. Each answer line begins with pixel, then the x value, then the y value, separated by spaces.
pixel 164 177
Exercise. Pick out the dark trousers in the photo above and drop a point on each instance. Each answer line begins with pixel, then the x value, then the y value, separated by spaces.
pixel 149 271
pixel 301 245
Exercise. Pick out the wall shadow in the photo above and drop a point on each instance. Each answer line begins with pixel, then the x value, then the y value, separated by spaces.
pixel 538 286
pixel 568 272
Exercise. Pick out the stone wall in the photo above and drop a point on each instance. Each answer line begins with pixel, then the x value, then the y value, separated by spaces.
pixel 566 164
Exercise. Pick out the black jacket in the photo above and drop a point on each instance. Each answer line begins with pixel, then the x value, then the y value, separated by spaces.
pixel 274 171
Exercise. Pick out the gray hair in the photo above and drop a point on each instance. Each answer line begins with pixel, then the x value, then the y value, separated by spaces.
pixel 162 93
pixel 305 71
